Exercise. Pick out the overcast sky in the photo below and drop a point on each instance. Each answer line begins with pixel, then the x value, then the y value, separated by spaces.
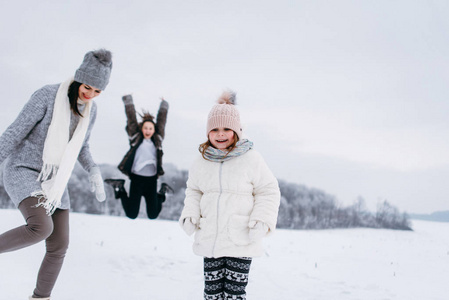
pixel 346 96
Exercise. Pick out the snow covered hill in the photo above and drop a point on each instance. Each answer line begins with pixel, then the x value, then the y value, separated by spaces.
pixel 117 258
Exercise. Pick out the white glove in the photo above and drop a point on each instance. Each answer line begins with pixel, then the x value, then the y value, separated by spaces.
pixel 257 230
pixel 190 225
pixel 96 184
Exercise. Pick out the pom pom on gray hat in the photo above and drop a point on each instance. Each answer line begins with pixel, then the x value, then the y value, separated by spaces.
pixel 225 114
pixel 95 69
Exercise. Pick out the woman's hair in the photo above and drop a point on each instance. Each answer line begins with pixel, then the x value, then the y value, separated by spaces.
pixel 73 97
pixel 203 147
pixel 147 117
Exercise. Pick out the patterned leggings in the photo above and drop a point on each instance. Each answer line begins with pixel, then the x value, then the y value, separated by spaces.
pixel 226 277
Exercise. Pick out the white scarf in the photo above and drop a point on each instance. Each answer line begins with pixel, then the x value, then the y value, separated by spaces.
pixel 60 154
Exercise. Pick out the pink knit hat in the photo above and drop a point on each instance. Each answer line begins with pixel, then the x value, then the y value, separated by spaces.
pixel 224 114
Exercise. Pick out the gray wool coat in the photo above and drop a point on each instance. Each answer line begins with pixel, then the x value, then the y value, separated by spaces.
pixel 22 145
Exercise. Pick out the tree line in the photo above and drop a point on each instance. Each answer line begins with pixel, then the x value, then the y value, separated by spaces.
pixel 301 207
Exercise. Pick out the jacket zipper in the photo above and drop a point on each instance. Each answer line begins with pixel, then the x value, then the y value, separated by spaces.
pixel 218 206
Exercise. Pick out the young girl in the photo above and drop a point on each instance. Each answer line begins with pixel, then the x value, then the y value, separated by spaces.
pixel 40 148
pixel 143 161
pixel 232 201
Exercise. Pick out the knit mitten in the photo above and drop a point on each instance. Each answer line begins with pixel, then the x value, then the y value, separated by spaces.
pixel 190 225
pixel 96 184
pixel 257 230
pixel 127 99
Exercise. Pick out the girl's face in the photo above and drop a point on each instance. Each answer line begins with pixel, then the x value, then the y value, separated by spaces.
pixel 221 138
pixel 86 92
pixel 147 130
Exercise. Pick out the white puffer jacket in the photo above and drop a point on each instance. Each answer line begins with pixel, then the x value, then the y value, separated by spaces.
pixel 226 197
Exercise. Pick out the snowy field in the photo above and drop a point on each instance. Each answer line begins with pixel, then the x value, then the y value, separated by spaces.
pixel 117 258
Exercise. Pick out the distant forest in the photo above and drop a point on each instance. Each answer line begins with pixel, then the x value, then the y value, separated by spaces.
pixel 301 207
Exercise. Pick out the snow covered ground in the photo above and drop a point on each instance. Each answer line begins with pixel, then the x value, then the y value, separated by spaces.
pixel 117 258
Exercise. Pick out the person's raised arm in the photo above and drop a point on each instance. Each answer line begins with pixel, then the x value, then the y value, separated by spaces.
pixel 132 126
pixel 161 118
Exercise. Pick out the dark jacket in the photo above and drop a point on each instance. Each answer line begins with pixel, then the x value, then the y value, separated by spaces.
pixel 135 135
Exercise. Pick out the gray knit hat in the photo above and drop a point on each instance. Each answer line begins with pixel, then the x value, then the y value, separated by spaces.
pixel 225 114
pixel 95 69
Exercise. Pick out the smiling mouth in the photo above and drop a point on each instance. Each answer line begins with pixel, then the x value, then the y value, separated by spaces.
pixel 221 141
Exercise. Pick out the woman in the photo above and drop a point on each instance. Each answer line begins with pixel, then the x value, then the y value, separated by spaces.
pixel 41 148
pixel 143 161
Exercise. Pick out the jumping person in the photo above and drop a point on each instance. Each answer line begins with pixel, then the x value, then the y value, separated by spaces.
pixel 232 201
pixel 143 161
pixel 41 148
